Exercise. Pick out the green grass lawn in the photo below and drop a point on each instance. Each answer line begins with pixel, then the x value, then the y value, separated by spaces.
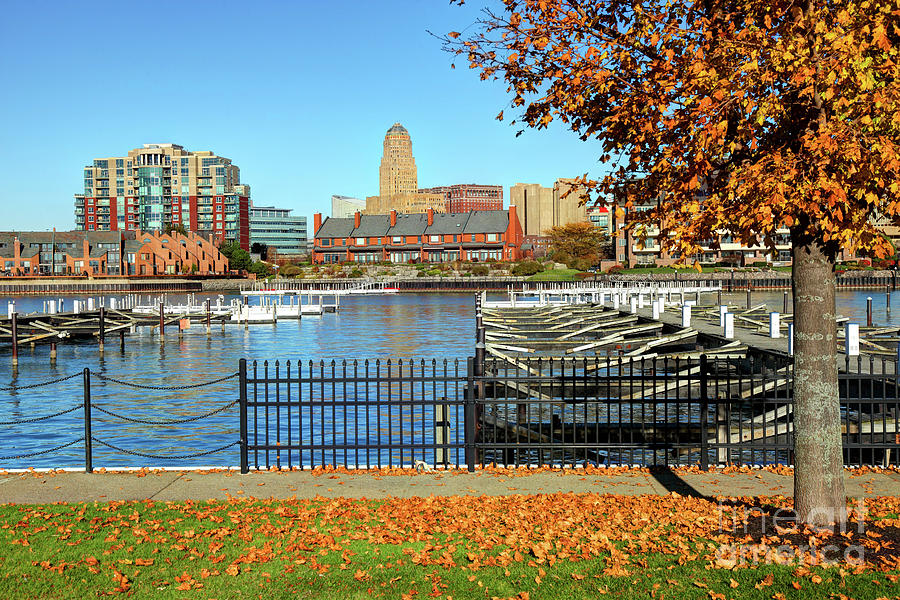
pixel 555 275
pixel 552 546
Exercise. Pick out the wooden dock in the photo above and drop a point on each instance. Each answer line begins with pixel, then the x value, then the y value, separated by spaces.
pixel 576 372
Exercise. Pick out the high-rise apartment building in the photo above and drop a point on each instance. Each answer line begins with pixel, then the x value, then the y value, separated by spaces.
pixel 343 207
pixel 164 184
pixel 397 173
pixel 277 228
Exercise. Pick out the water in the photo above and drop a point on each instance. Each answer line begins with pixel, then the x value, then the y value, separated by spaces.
pixel 367 327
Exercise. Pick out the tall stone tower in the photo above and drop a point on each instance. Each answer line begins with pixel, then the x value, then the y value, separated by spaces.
pixel 397 173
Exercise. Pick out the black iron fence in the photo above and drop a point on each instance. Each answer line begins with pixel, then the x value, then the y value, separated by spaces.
pixel 693 409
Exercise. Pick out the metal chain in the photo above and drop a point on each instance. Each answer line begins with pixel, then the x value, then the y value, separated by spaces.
pixel 159 387
pixel 172 422
pixel 158 457
pixel 44 418
pixel 81 439
pixel 36 385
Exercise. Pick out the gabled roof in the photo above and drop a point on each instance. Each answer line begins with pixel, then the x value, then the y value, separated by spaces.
pixel 409 225
pixel 448 223
pixel 372 226
pixel 487 221
pixel 336 228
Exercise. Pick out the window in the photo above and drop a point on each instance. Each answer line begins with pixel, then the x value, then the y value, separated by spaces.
pixel 396 240
pixel 360 241
pixel 473 237
pixel 493 237
pixel 325 242
pixel 434 239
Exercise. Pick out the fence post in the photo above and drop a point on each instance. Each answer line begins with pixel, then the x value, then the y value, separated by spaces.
pixel 704 414
pixel 88 446
pixel 242 370
pixel 470 430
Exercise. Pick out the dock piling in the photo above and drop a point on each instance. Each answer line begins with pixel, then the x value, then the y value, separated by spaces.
pixel 101 334
pixel 869 311
pixel 162 321
pixel 14 330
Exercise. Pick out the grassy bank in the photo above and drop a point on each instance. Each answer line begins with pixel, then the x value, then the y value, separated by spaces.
pixel 550 546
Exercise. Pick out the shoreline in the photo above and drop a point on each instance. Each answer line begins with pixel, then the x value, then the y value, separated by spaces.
pixel 875 280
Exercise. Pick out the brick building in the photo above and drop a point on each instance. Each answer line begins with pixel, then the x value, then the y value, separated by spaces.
pixel 464 197
pixel 164 184
pixel 422 237
pixel 108 253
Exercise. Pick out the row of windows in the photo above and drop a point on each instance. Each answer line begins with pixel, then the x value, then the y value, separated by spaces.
pixel 431 239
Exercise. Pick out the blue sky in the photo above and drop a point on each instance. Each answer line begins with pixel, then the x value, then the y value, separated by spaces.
pixel 298 94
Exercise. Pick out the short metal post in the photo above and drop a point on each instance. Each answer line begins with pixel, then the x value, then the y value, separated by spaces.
pixel 441 432
pixel 208 317
pixel 869 311
pixel 242 401
pixel 470 428
pixel 704 414
pixel 749 295
pixel 14 330
pixel 88 445
pixel 887 300
pixel 162 321
pixel 784 304
pixel 52 352
pixel 719 298
pixel 101 334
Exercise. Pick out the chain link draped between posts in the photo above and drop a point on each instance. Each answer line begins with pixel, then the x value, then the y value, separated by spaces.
pixel 163 388
pixel 44 418
pixel 48 451
pixel 160 457
pixel 87 406
pixel 168 422
pixel 16 388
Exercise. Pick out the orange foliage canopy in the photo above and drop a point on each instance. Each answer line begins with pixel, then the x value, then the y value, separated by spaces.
pixel 743 116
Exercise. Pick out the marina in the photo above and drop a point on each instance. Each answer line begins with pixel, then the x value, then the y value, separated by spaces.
pixel 385 380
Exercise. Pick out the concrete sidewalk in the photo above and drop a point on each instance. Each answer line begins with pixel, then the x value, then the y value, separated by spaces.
pixel 36 487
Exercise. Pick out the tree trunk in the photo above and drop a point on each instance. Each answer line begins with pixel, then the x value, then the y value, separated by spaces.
pixel 818 454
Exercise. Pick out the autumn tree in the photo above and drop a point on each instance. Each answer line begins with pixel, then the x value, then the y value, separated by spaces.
pixel 742 117
pixel 578 245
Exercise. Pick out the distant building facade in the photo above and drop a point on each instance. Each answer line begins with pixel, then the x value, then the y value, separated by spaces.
pixel 422 237
pixel 278 229
pixel 397 172
pixel 464 197
pixel 345 206
pixel 543 208
pixel 406 203
pixel 122 253
pixel 164 184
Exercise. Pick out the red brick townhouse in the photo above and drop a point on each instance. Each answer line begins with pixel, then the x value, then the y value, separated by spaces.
pixel 62 253
pixel 425 237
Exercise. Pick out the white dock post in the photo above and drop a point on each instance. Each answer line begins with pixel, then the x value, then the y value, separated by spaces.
pixel 790 339
pixel 774 325
pixel 686 315
pixel 723 310
pixel 10 309
pixel 90 304
pixel 729 326
pixel 633 304
pixel 654 308
pixel 113 304
pixel 640 301
pixel 851 339
pixel 616 301
pixel 602 298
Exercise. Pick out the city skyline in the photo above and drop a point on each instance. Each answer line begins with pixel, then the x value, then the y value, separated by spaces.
pixel 300 98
